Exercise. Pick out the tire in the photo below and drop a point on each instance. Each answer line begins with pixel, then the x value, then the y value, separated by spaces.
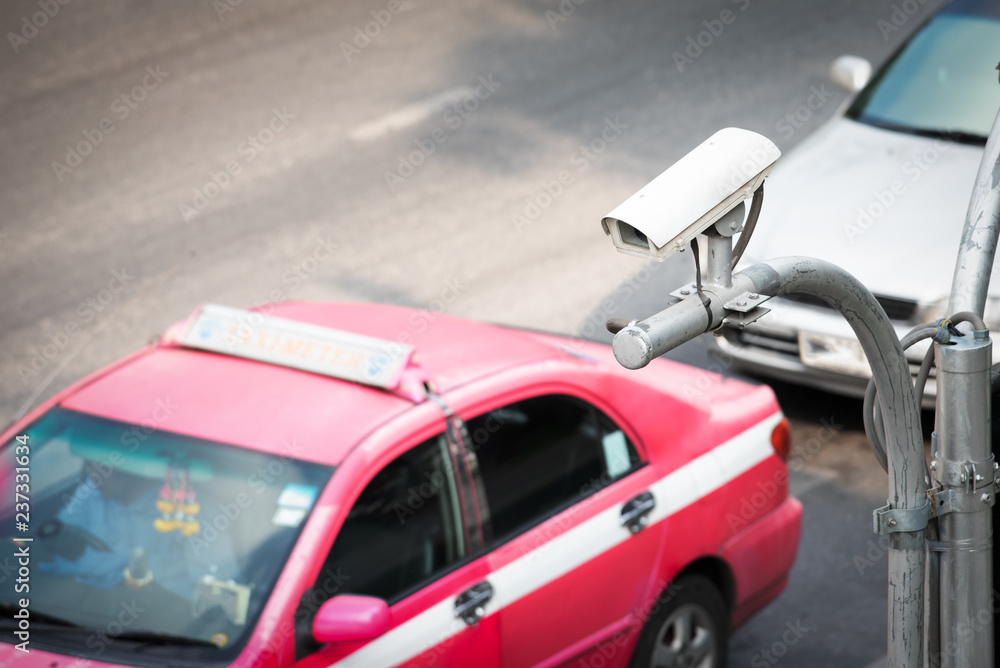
pixel 689 630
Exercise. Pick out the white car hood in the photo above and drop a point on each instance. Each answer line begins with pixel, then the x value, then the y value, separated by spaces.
pixel 814 199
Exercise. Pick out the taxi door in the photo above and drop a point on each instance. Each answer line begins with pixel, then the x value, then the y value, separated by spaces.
pixel 408 540
pixel 566 497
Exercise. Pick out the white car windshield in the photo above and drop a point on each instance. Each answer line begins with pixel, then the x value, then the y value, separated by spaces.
pixel 145 542
pixel 943 82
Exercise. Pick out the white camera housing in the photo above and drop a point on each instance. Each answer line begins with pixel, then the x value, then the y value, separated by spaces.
pixel 692 194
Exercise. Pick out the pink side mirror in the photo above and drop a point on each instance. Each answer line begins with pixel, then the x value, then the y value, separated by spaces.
pixel 348 618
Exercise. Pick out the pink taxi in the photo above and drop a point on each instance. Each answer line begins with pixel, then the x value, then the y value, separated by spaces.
pixel 319 485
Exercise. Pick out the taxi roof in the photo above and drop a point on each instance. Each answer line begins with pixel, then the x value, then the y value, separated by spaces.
pixel 291 412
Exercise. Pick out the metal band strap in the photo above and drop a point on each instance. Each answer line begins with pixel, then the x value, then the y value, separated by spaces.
pixel 888 520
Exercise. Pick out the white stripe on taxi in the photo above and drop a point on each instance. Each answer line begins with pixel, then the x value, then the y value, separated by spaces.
pixel 574 547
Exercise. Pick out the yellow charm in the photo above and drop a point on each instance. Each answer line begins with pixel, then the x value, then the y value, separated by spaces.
pixel 190 508
pixel 165 506
pixel 166 526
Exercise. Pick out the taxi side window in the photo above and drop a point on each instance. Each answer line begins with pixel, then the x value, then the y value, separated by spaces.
pixel 538 456
pixel 402 531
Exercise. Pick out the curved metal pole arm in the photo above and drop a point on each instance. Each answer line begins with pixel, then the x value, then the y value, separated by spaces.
pixel 890 369
pixel 904 441
pixel 637 344
pixel 979 237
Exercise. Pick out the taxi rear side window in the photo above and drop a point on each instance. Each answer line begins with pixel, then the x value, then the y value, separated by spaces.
pixel 538 456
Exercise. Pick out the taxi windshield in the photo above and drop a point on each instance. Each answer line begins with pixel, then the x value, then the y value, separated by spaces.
pixel 942 83
pixel 144 541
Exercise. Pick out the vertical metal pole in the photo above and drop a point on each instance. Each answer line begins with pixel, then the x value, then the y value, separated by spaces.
pixel 932 591
pixel 964 470
pixel 963 430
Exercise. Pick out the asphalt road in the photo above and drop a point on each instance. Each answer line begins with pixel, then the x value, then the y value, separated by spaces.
pixel 457 158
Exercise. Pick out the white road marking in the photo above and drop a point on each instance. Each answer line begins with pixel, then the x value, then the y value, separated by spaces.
pixel 411 114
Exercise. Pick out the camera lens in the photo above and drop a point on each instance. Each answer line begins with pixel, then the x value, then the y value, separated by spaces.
pixel 632 236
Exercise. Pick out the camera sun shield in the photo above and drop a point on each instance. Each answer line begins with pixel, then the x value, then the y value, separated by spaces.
pixel 692 194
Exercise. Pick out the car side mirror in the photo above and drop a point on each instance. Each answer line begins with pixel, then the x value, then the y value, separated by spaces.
pixel 851 72
pixel 348 618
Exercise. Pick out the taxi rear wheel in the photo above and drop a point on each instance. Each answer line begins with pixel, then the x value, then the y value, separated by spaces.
pixel 688 630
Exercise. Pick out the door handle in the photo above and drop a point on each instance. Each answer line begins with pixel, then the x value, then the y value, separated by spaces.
pixel 635 512
pixel 470 606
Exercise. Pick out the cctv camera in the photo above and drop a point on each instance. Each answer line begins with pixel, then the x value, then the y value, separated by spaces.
pixel 692 195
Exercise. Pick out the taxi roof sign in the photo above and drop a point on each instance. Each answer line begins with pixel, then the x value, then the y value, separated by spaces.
pixel 322 350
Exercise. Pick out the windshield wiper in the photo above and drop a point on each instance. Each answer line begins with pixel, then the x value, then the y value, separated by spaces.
pixel 155 638
pixel 39 617
pixel 145 639
pixel 957 136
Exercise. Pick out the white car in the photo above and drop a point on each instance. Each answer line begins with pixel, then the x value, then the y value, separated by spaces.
pixel 881 190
